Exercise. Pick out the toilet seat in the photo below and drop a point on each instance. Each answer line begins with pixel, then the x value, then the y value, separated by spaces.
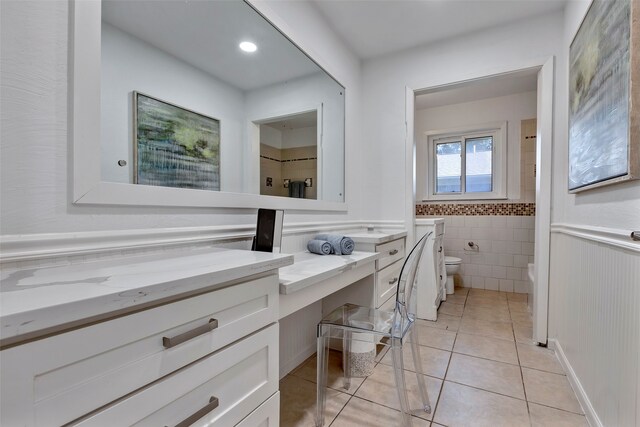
pixel 451 260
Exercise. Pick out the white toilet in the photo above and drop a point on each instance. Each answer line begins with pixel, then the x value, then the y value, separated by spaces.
pixel 452 265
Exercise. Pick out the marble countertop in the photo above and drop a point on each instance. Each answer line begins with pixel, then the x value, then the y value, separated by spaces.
pixel 377 236
pixel 39 299
pixel 309 269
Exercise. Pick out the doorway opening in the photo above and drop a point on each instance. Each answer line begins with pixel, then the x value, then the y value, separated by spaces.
pixel 479 155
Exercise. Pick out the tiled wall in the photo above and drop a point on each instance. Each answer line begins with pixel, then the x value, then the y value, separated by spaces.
pixel 506 247
pixel 290 163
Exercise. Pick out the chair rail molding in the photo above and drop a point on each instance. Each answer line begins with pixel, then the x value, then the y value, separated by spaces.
pixel 609 236
pixel 31 247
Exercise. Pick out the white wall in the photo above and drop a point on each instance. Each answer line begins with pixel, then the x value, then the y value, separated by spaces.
pixel 507 48
pixel 35 189
pixel 616 205
pixel 270 136
pixel 511 108
pixel 594 298
pixel 300 137
pixel 129 64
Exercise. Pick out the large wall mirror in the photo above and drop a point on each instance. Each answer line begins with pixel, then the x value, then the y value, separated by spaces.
pixel 201 103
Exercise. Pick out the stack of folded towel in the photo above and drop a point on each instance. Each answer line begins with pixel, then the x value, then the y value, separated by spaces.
pixel 325 244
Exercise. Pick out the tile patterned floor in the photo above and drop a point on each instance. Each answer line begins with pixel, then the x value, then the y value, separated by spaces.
pixel 481 370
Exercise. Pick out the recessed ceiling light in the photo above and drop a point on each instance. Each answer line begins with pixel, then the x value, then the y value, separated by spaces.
pixel 248 46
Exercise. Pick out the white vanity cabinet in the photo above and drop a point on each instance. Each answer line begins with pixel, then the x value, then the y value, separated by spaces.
pixel 206 358
pixel 391 247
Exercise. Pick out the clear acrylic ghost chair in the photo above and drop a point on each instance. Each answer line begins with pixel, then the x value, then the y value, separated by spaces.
pixel 391 327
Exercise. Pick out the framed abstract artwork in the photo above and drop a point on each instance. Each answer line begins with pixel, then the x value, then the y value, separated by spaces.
pixel 604 96
pixel 174 146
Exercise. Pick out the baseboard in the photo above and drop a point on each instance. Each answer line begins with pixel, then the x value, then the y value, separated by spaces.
pixel 295 361
pixel 587 407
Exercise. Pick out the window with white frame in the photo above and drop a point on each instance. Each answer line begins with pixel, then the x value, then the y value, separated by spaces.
pixel 467 164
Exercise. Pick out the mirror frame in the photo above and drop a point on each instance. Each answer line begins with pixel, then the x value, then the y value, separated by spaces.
pixel 84 98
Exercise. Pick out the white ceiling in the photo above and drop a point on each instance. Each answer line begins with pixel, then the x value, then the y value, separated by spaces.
pixel 490 87
pixel 297 121
pixel 377 27
pixel 206 35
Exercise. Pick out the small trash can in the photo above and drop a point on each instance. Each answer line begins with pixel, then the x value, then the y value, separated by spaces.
pixel 362 355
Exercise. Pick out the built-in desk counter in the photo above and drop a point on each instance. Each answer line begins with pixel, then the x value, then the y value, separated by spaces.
pixel 312 277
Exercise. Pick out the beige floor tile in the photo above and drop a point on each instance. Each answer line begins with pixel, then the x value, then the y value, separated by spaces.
pixel 469 407
pixel 434 337
pixel 521 318
pixel 550 390
pixel 457 298
pixel 471 325
pixel 512 296
pixel 543 416
pixel 486 347
pixel 488 294
pixel 518 307
pixel 445 321
pixel 488 375
pixel 434 361
pixel 533 356
pixel 450 309
pixel 380 387
pixel 362 413
pixel 298 402
pixel 335 380
pixel 523 333
pixel 461 290
pixel 381 350
pixel 491 303
pixel 485 313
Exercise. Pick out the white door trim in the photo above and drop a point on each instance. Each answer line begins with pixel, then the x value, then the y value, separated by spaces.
pixel 544 146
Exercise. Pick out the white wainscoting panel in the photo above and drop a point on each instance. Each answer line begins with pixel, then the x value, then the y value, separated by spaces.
pixel 595 319
pixel 298 336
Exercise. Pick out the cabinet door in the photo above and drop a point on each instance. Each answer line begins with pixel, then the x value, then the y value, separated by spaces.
pixel 219 390
pixel 266 415
pixel 58 379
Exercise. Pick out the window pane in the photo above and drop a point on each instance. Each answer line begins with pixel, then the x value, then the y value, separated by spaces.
pixel 448 167
pixel 479 153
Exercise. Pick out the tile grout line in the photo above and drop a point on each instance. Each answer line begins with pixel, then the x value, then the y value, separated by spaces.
pixel 435 407
pixel 524 388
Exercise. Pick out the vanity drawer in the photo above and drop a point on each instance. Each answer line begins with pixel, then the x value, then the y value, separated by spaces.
pixel 266 415
pixel 241 377
pixel 66 376
pixel 391 252
pixel 387 282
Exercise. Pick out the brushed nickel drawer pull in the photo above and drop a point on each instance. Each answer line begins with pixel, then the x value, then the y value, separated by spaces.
pixel 391 282
pixel 213 404
pixel 200 330
pixel 393 252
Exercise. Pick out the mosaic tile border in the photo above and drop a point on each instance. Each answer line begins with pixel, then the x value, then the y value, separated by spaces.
pixel 476 209
pixel 288 160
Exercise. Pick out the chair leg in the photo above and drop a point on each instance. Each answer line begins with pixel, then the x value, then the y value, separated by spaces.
pixel 398 372
pixel 346 360
pixel 415 351
pixel 322 372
